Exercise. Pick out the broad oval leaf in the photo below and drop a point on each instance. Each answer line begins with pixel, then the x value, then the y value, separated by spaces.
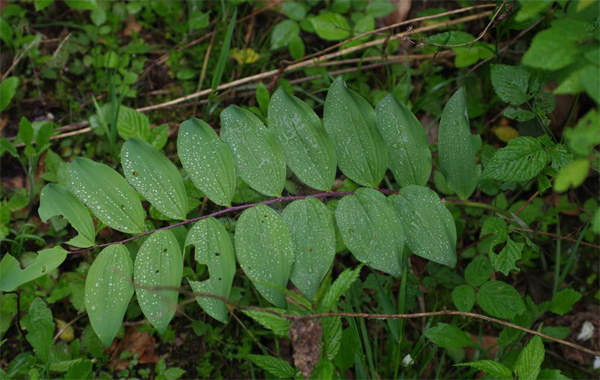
pixel 108 290
pixel 500 300
pixel 12 276
pixel 207 160
pixel 155 177
pixel 457 147
pixel 107 194
pixel 351 124
pixel 428 225
pixel 214 249
pixel 409 156
pixel 264 250
pixel 158 267
pixel 258 157
pixel 56 200
pixel 371 230
pixel 307 148
pixel 313 235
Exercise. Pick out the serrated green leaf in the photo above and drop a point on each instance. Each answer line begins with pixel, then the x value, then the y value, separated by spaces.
pixel 351 124
pixel 338 288
pixel 56 200
pixel 158 266
pixel 409 156
pixel 492 368
pixel 563 301
pixel 371 230
pixel 307 148
pixel 107 194
pixel 131 123
pixel 551 374
pixel 207 160
pixel 8 87
pixel 457 147
pixel 478 271
pixel 494 226
pixel 275 366
pixel 521 160
pixel 283 33
pixel 313 236
pixel 280 326
pixel 505 260
pixel 500 300
pixel 448 336
pixel 510 83
pixel 332 335
pixel 108 290
pixel 428 225
pixel 518 114
pixel 214 249
pixel 12 276
pixel 40 328
pixel 155 177
pixel 529 362
pixel 265 251
pixel 331 26
pixel 463 297
pixel 258 157
pixel 550 49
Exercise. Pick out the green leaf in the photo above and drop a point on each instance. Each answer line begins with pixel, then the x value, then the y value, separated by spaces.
pixel 551 49
pixel 79 370
pixel 42 4
pixel 490 367
pixel 351 124
pixel 463 297
pixel 82 4
pixel 263 98
pixel 159 135
pixel 338 288
pixel 158 268
pixel 409 156
pixel 155 177
pixel 25 131
pixel 518 114
pixel 428 225
pixel 521 160
pixel 56 200
pixel 505 260
pixel 214 249
pixel 510 83
pixel 529 362
pixel 265 251
pixel 494 226
pixel 12 276
pixel 108 290
pixel 224 55
pixel 275 366
pixel 586 135
pixel 448 336
pixel 294 10
pixel 283 33
pixel 107 194
pixel 380 8
pixel 478 271
pixel 258 157
pixel 551 374
pixel 40 328
pixel 500 300
pixel 313 236
pixel 331 26
pixel 280 326
pixel 572 175
pixel 371 230
pixel 207 160
pixel 307 148
pixel 563 301
pixel 8 87
pixel 131 123
pixel 332 336
pixel 457 147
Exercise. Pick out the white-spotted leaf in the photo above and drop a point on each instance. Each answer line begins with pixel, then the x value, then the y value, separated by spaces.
pixel 351 124
pixel 56 200
pixel 313 235
pixel 428 225
pixel 409 156
pixel 155 177
pixel 264 250
pixel 214 249
pixel 371 230
pixel 107 194
pixel 258 157
pixel 108 290
pixel 158 268
pixel 307 148
pixel 207 160
pixel 12 276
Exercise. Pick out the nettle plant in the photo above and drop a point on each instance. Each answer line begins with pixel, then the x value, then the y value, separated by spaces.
pixel 380 227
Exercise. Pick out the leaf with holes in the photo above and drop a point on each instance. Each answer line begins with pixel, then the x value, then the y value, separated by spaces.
pixel 158 268
pixel 214 249
pixel 505 260
pixel 307 148
pixel 12 276
pixel 371 230
pixel 56 200
pixel 155 177
pixel 265 251
pixel 207 160
pixel 108 290
pixel 313 235
pixel 428 225
pixel 258 157
pixel 521 160
pixel 107 194
pixel 409 156
pixel 351 124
